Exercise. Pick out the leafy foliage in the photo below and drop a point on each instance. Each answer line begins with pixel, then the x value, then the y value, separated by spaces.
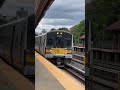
pixel 63 28
pixel 77 31
pixel 53 29
pixel 66 29
pixel 102 13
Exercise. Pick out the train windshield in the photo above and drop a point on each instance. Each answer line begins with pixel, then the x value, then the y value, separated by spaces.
pixel 59 43
pixel 50 42
pixel 63 40
pixel 68 42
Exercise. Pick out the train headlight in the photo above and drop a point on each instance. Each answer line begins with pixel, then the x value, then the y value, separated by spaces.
pixel 65 51
pixel 48 50
pixel 61 33
pixel 57 32
pixel 69 51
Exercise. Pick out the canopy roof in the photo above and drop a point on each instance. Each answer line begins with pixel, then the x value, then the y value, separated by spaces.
pixel 114 27
pixel 82 37
pixel 41 6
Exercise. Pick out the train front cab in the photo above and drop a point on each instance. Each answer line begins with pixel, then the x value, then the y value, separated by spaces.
pixel 59 58
pixel 59 47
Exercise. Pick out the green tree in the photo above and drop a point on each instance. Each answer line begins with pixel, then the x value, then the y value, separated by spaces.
pixel 53 29
pixel 102 13
pixel 77 31
pixel 63 28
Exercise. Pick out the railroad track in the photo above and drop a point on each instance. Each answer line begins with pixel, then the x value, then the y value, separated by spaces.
pixel 79 73
pixel 76 72
pixel 78 58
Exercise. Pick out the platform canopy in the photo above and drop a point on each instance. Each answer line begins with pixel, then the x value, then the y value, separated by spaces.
pixel 41 6
pixel 82 37
pixel 114 27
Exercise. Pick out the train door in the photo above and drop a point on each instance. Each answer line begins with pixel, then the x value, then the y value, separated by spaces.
pixel 39 44
pixel 44 46
pixel 18 47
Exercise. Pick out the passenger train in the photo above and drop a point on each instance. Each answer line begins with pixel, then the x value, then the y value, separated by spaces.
pixel 17 44
pixel 56 46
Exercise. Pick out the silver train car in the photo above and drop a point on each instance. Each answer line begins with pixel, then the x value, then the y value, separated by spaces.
pixel 17 44
pixel 55 46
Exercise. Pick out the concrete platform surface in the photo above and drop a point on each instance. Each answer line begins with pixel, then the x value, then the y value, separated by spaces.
pixel 10 79
pixel 44 80
pixel 49 77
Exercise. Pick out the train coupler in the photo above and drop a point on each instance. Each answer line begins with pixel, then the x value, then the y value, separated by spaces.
pixel 60 62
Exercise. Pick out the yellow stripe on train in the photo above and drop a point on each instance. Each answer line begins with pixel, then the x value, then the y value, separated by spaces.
pixel 58 51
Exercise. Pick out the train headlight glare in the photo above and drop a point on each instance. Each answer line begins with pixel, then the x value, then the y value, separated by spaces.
pixel 50 50
pixel 69 51
pixel 57 32
pixel 61 33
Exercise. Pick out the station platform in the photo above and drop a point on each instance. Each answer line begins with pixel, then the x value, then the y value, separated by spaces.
pixel 49 77
pixel 10 79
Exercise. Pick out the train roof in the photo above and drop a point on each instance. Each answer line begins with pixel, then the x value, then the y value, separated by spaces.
pixel 41 7
pixel 59 31
pixel 53 31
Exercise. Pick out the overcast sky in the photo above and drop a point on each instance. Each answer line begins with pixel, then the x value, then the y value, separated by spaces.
pixel 63 13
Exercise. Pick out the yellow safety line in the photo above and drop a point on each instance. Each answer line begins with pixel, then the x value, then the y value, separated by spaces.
pixel 66 82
